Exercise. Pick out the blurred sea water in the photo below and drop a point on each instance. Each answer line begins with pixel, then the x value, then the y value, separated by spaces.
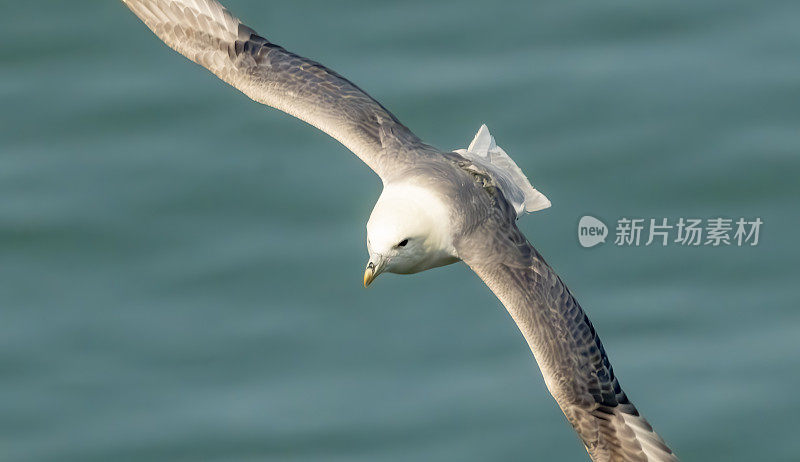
pixel 180 267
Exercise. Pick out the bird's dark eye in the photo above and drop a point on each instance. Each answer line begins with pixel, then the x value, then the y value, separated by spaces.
pixel 403 243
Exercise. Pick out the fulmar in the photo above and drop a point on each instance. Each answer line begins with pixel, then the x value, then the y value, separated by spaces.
pixel 436 208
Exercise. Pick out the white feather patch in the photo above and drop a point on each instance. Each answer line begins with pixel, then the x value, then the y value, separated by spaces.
pixel 515 185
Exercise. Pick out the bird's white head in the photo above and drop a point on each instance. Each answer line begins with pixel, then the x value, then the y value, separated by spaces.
pixel 408 232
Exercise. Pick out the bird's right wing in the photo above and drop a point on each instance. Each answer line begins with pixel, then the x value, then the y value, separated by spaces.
pixel 206 33
pixel 572 359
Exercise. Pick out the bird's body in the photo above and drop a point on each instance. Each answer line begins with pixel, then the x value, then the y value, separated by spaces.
pixel 436 208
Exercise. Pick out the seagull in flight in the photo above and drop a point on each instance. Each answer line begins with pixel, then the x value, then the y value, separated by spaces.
pixel 436 208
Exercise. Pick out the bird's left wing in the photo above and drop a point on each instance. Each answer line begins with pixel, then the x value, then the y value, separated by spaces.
pixel 572 359
pixel 208 34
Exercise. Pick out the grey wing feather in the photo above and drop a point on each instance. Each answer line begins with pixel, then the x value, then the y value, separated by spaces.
pixel 572 359
pixel 205 32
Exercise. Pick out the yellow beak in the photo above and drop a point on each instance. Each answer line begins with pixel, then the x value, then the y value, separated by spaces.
pixel 374 268
pixel 369 275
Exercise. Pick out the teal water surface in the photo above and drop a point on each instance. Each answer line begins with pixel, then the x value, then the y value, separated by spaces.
pixel 180 267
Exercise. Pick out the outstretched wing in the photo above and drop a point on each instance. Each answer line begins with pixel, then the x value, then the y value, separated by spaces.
pixel 571 357
pixel 206 33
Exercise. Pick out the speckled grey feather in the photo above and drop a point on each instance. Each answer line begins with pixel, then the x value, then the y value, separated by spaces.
pixel 570 355
pixel 206 33
pixel 572 359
